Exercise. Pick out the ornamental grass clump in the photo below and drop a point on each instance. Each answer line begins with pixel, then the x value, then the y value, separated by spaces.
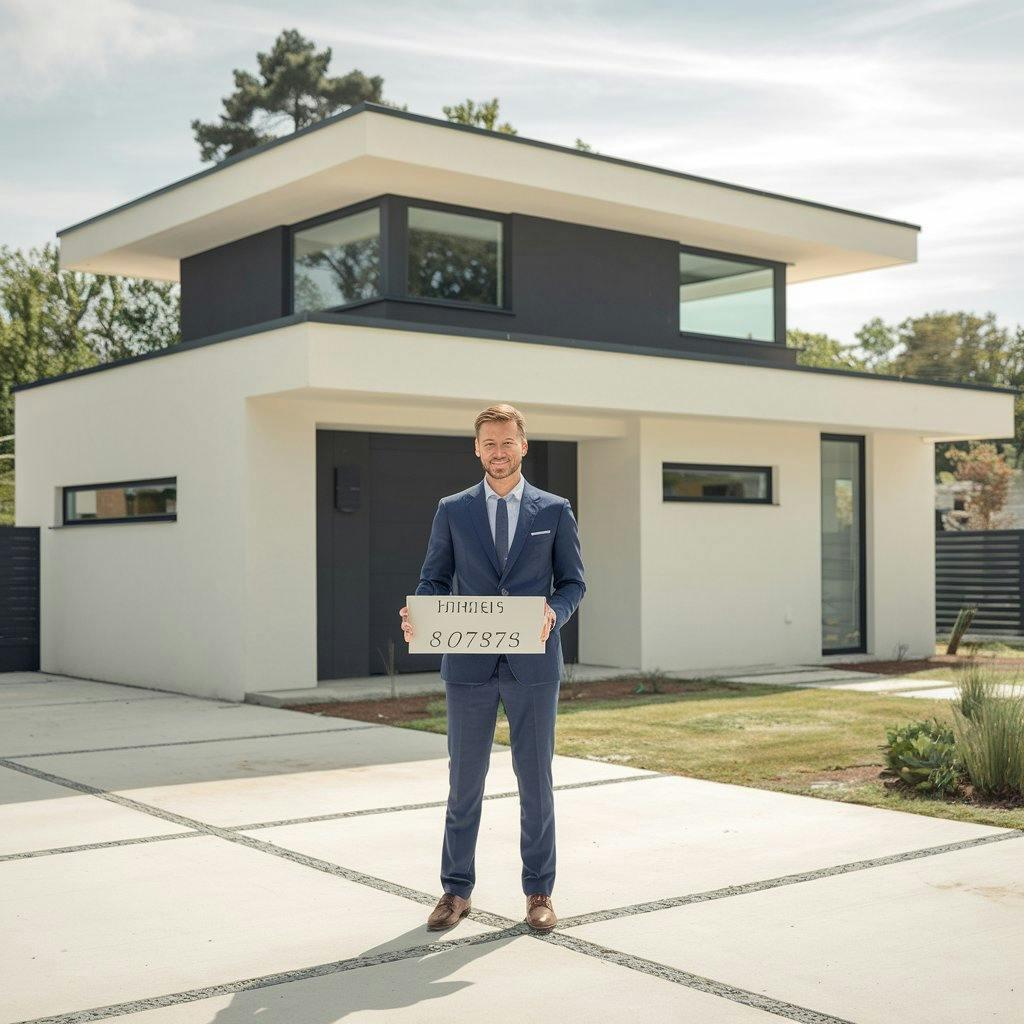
pixel 976 683
pixel 988 726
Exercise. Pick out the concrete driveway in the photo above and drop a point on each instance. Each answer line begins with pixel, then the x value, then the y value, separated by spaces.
pixel 168 859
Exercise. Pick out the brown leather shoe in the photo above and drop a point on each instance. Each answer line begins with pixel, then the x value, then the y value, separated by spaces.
pixel 540 914
pixel 449 911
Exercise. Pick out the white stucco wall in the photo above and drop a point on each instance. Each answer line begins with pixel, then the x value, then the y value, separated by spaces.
pixel 731 584
pixel 151 604
pixel 223 601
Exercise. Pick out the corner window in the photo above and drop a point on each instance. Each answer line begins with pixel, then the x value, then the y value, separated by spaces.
pixel 730 298
pixel 337 262
pixel 128 501
pixel 455 256
pixel 693 481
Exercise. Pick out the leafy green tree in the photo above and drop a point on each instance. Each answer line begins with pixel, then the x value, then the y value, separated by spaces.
pixel 822 350
pixel 53 321
pixel 482 115
pixel 958 346
pixel 293 90
pixel 876 342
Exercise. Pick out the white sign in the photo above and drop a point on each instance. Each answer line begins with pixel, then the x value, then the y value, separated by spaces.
pixel 463 624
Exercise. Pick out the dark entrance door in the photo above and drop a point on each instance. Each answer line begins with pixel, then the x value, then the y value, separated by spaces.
pixel 376 498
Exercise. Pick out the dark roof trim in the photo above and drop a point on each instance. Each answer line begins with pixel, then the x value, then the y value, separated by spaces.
pixel 423 119
pixel 533 339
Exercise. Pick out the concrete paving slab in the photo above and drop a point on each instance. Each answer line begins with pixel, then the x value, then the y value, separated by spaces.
pixel 723 671
pixel 234 784
pixel 55 693
pixel 937 693
pixel 7 678
pixel 91 726
pixel 509 979
pixel 891 684
pixel 845 944
pixel 632 842
pixel 263 760
pixel 796 677
pixel 39 815
pixel 102 926
pixel 953 692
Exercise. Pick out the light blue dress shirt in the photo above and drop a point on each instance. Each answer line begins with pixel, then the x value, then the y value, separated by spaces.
pixel 512 502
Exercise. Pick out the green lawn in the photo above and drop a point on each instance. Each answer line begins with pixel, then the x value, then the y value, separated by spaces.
pixel 768 737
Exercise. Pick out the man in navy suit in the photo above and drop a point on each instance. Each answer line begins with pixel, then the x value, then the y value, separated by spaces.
pixel 502 536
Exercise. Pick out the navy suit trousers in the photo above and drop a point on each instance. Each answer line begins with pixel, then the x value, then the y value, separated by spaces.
pixel 472 715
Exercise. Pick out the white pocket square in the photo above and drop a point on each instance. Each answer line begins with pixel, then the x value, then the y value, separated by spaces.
pixel 537 533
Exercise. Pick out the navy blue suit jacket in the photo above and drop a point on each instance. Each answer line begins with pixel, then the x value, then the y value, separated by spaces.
pixel 546 546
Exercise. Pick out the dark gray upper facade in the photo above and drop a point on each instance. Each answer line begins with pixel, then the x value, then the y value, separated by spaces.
pixel 560 280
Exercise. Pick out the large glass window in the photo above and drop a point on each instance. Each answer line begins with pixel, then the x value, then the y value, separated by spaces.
pixel 120 502
pixel 337 262
pixel 842 543
pixel 688 481
pixel 727 297
pixel 455 256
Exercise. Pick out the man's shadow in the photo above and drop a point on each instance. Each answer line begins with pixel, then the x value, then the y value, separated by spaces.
pixel 393 985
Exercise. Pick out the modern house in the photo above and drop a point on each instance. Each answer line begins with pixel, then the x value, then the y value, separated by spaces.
pixel 247 510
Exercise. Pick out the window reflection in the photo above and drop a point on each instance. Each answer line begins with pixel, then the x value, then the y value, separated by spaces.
pixel 841 548
pixel 681 482
pixel 121 501
pixel 455 256
pixel 337 262
pixel 729 298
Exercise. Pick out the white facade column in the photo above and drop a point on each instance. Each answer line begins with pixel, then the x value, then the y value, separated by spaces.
pixel 611 613
pixel 900 500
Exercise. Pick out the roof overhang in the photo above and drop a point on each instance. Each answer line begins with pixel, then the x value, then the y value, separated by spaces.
pixel 371 150
pixel 366 363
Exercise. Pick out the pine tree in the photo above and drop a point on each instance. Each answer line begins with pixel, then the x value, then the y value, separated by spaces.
pixel 293 90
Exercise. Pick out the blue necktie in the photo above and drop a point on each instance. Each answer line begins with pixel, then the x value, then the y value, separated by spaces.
pixel 501 532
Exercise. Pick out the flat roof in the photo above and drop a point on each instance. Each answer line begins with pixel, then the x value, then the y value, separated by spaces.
pixel 354 319
pixel 371 149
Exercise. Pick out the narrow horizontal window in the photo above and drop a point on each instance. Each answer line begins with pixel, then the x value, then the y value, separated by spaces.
pixel 455 256
pixel 726 297
pixel 690 481
pixel 337 262
pixel 132 500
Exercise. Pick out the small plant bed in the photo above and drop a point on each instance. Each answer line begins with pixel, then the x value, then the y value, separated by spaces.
pixel 400 710
pixel 942 662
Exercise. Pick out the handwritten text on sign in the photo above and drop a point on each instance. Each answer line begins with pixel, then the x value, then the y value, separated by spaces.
pixel 459 624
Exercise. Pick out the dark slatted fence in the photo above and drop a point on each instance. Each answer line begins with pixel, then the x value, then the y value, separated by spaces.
pixel 19 598
pixel 980 567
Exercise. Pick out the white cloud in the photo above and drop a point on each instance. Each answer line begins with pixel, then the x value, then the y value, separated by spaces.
pixel 47 44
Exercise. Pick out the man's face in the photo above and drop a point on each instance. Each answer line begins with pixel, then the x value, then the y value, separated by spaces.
pixel 500 449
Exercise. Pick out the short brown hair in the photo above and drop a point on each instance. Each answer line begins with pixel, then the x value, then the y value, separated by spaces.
pixel 501 413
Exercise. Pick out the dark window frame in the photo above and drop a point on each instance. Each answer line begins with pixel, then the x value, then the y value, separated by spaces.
pixel 394 243
pixel 862 533
pixel 767 471
pixel 326 218
pixel 778 269
pixel 162 517
pixel 400 208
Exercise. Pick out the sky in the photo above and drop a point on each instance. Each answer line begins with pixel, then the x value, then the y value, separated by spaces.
pixel 910 110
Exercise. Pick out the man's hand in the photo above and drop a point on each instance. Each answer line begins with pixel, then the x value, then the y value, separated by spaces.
pixel 549 622
pixel 406 626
